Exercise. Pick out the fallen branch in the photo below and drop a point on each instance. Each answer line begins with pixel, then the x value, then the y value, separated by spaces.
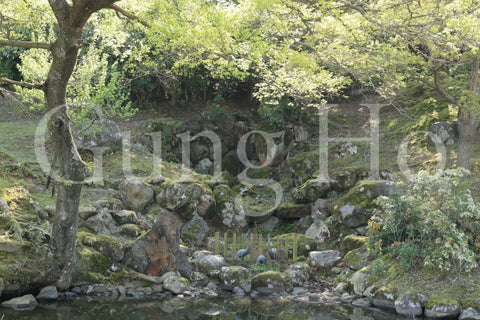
pixel 141 276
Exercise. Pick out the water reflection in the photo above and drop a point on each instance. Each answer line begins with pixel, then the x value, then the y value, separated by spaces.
pixel 192 309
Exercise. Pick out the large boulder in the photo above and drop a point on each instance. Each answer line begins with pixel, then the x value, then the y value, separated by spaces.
pixel 175 284
pixel 365 192
pixel 231 277
pixel 353 216
pixel 344 180
pixel 352 242
pixel 24 302
pixel 48 294
pixel 383 298
pixel 357 258
pixel 156 252
pixel 271 224
pixel 226 214
pixel 359 282
pixel 406 306
pixel 195 230
pixel 208 262
pixel 303 166
pixel 298 273
pixel 269 282
pixel 470 314
pixel 135 194
pixel 324 259
pixel 184 198
pixel 109 246
pixel 102 223
pixel 321 209
pixel 292 211
pixel 318 231
pixel 443 311
pixel 445 132
pixel 124 216
pixel 102 133
pixel 311 190
pixel 173 196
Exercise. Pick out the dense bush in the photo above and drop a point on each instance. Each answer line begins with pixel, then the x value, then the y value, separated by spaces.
pixel 428 222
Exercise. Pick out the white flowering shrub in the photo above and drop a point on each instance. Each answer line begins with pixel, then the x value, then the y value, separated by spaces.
pixel 432 221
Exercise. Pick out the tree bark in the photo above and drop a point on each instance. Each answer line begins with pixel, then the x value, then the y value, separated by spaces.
pixel 468 121
pixel 468 126
pixel 72 170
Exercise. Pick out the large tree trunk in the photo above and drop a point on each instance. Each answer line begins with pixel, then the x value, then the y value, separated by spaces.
pixel 72 169
pixel 469 119
pixel 71 18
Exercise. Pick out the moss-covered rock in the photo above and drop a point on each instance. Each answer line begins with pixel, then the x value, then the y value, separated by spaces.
pixel 269 282
pixel 185 198
pixel 124 216
pixel 357 258
pixel 359 281
pixel 311 190
pixel 23 268
pixel 337 229
pixel 195 230
pixel 130 230
pixel 364 192
pixel 384 298
pixel 298 273
pixel 344 180
pixel 261 173
pixel 156 252
pixel 135 194
pixel 292 211
pixel 225 213
pixel 231 277
pixel 110 247
pixel 92 265
pixel 443 311
pixel 352 242
pixel 304 166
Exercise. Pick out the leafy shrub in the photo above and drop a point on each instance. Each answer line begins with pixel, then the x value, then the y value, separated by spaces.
pixel 428 222
pixel 217 114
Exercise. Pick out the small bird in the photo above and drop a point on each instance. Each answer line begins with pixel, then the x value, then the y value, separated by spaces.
pixel 243 252
pixel 272 252
pixel 261 259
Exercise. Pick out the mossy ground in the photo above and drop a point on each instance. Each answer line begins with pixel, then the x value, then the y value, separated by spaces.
pixel 441 287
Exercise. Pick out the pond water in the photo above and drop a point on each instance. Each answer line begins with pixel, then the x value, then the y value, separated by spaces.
pixel 192 309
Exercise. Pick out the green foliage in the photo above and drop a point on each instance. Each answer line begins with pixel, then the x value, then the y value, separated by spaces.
pixel 428 222
pixel 9 57
pixel 217 114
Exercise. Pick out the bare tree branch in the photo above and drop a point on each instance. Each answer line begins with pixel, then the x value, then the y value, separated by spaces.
pixel 23 84
pixel 128 15
pixel 26 44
